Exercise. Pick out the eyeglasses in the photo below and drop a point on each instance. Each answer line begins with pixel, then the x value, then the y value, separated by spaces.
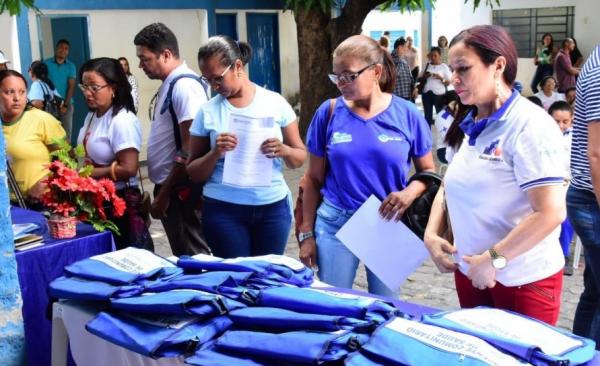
pixel 217 80
pixel 346 77
pixel 92 88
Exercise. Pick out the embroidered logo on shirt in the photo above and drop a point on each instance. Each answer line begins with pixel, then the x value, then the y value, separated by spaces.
pixel 493 152
pixel 385 138
pixel 340 137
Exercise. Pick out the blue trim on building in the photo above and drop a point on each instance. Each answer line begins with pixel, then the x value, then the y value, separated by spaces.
pixel 429 23
pixel 24 41
pixel 158 4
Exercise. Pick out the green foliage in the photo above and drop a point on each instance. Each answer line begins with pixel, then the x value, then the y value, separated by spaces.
pixel 489 3
pixel 71 157
pixel 14 6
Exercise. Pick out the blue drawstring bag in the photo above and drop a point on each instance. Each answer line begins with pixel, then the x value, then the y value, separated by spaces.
pixel 177 302
pixel 401 342
pixel 75 288
pixel 530 339
pixel 304 347
pixel 273 267
pixel 124 267
pixel 305 300
pixel 157 336
pixel 280 320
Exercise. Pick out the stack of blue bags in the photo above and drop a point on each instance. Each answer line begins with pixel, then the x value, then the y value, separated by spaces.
pixel 263 311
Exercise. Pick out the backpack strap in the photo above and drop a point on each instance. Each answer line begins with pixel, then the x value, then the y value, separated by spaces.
pixel 168 104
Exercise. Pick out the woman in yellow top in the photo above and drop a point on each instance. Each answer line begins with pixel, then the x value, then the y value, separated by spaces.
pixel 29 135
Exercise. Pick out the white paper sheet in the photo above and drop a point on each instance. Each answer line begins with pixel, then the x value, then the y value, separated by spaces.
pixel 389 248
pixel 246 165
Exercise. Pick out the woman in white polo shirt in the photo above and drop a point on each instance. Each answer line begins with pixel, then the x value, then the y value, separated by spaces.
pixel 504 190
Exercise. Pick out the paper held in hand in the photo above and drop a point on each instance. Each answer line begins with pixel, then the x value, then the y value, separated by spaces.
pixel 389 248
pixel 246 165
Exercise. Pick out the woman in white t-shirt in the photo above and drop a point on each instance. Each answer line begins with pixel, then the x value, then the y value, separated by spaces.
pixel 548 95
pixel 112 139
pixel 245 212
pixel 504 188
pixel 437 78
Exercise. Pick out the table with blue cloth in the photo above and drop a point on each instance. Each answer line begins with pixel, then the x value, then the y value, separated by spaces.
pixel 38 266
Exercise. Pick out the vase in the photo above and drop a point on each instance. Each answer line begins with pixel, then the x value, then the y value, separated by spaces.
pixel 62 227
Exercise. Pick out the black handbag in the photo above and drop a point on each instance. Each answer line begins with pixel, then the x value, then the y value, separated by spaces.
pixel 421 81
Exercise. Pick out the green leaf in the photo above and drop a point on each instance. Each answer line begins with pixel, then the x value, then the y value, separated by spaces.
pixel 86 171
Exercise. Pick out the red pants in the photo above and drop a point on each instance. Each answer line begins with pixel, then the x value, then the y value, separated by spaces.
pixel 539 300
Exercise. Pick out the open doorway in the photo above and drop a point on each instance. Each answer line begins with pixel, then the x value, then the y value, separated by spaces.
pixel 73 28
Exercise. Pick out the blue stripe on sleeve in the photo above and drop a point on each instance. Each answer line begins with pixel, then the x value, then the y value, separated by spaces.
pixel 542 182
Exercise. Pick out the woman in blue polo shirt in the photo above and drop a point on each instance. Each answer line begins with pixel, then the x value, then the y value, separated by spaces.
pixel 364 146
pixel 504 188
pixel 241 221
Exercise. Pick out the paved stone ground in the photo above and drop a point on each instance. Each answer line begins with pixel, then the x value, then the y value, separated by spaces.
pixel 426 286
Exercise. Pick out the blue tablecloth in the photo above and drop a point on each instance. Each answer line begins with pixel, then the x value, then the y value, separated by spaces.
pixel 37 267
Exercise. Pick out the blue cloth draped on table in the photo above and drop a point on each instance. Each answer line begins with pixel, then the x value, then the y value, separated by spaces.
pixel 37 267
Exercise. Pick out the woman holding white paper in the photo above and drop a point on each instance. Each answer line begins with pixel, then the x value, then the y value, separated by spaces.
pixel 247 218
pixel 504 188
pixel 363 147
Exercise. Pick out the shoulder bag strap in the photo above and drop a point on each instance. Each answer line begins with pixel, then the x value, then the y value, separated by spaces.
pixel 332 103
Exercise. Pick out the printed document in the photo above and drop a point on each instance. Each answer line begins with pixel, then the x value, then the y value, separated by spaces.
pixel 246 165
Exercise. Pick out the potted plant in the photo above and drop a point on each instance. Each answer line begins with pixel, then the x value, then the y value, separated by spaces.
pixel 72 194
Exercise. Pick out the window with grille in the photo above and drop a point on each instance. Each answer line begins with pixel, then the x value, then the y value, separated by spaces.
pixel 527 26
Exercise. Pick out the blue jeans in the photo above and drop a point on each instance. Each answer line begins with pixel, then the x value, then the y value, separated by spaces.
pixel 584 214
pixel 337 264
pixel 234 230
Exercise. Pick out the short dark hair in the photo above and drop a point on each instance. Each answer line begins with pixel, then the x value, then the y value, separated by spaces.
pixel 226 49
pixel 560 105
pixel 565 41
pixel 63 41
pixel 545 80
pixel 399 42
pixel 571 88
pixel 157 37
pixel 110 69
pixel 535 100
pixel 490 42
pixel 40 71
pixel 435 49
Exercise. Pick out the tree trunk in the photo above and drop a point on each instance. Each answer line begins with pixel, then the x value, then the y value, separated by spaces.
pixel 318 36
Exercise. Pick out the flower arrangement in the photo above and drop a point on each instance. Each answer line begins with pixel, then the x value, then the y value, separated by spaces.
pixel 72 192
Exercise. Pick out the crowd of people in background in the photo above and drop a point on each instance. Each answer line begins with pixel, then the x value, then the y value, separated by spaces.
pixel 363 142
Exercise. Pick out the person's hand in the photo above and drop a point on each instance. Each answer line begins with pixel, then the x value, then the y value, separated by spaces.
pixel 274 148
pixel 36 191
pixel 415 93
pixel 225 142
pixel 481 271
pixel 441 252
pixel 308 252
pixel 159 206
pixel 63 109
pixel 395 204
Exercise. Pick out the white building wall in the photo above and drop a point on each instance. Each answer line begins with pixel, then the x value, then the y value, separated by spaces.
pixel 451 16
pixel 9 43
pixel 111 34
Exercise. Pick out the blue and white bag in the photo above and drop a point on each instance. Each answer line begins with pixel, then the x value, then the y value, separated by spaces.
pixel 401 342
pixel 274 267
pixel 527 338
pixel 124 267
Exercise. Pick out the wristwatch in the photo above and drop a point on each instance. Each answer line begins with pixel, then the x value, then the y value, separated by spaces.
pixel 303 236
pixel 498 261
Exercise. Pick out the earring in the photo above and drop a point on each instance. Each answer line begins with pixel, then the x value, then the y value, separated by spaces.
pixel 113 95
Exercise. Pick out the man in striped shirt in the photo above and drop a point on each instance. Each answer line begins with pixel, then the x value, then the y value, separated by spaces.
pixel 583 196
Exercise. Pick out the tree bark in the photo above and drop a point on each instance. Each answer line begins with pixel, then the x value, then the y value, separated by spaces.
pixel 318 36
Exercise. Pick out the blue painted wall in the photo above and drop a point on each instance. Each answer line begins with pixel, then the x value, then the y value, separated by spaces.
pixel 209 5
pixel 12 333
